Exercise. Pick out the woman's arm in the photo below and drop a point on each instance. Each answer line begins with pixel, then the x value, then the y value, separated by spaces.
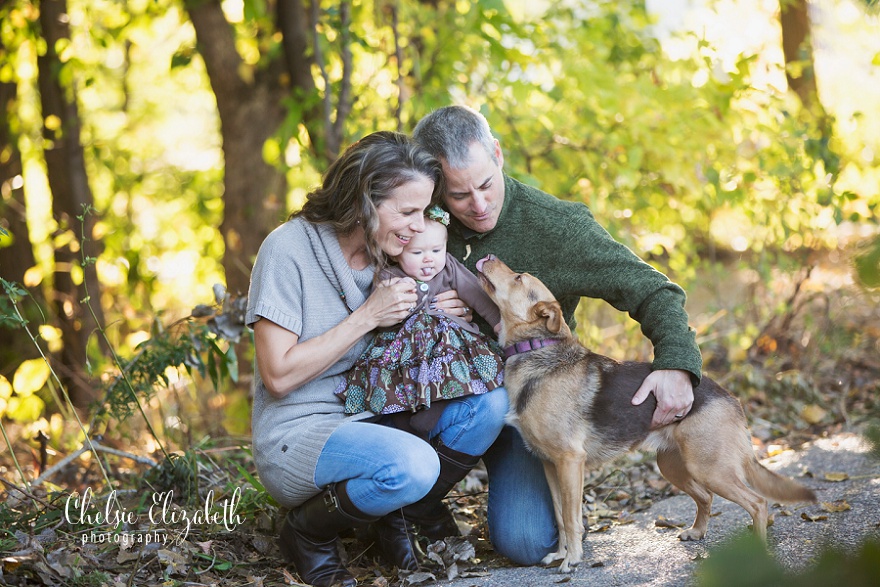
pixel 285 364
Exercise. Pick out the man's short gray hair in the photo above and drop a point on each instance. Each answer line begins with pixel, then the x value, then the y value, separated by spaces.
pixel 447 134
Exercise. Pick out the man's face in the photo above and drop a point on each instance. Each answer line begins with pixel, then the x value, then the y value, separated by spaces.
pixel 475 194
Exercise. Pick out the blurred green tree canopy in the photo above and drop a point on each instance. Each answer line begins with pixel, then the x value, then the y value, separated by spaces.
pixel 204 123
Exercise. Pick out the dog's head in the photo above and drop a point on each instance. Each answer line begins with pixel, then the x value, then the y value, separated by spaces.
pixel 528 309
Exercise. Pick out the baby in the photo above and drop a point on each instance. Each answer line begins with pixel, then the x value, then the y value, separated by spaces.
pixel 432 356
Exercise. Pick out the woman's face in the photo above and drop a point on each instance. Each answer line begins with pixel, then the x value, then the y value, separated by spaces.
pixel 402 214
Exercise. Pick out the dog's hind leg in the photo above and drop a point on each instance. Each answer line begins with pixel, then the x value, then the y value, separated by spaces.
pixel 675 471
pixel 570 473
pixel 733 487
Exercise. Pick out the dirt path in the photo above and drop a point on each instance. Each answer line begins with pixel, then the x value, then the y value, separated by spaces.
pixel 643 554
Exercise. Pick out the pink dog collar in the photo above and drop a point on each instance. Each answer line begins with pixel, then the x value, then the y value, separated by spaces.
pixel 525 346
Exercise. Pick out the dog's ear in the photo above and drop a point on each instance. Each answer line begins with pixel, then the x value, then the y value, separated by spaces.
pixel 552 311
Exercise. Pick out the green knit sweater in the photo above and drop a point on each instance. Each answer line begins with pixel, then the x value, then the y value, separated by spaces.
pixel 561 244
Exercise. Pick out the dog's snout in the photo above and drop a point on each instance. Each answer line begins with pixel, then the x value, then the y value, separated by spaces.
pixel 481 262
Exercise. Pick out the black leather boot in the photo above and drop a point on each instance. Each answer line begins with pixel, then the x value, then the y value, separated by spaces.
pixel 397 532
pixel 396 537
pixel 310 535
pixel 432 518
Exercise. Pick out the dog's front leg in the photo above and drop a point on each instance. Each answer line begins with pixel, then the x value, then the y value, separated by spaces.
pixel 570 472
pixel 553 482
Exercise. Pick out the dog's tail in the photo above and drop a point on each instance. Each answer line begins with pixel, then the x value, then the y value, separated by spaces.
pixel 774 486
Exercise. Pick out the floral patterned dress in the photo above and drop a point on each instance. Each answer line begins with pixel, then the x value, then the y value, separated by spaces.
pixel 431 357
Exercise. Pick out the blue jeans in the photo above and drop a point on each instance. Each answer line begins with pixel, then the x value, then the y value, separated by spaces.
pixel 387 468
pixel 522 525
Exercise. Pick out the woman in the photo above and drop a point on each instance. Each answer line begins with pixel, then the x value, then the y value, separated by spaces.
pixel 313 301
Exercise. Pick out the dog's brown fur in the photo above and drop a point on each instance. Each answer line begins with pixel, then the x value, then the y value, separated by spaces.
pixel 573 409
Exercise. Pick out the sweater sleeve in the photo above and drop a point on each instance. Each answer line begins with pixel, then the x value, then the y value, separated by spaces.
pixel 276 288
pixel 598 266
pixel 469 290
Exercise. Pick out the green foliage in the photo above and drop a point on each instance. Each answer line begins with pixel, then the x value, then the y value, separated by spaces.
pixel 178 473
pixel 867 264
pixel 745 562
pixel 188 345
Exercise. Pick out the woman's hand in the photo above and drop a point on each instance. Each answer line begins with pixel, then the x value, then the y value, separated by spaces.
pixel 286 364
pixel 390 302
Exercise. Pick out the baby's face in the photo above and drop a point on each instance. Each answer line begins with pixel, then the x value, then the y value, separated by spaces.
pixel 424 256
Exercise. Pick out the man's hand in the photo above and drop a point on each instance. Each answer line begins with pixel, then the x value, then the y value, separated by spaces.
pixel 449 302
pixel 674 392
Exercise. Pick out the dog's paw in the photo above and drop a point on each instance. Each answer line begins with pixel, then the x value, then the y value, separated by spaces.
pixel 568 564
pixel 691 534
pixel 553 556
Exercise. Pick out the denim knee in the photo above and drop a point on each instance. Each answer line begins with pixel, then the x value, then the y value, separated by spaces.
pixel 412 474
pixel 522 543
pixel 491 409
pixel 471 424
pixel 522 525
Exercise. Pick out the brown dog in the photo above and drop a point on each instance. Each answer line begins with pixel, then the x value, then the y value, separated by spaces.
pixel 573 409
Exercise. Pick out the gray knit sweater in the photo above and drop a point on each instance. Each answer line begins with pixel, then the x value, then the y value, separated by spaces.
pixel 296 283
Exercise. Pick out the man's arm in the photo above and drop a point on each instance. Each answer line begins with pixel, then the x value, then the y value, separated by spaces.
pixel 614 273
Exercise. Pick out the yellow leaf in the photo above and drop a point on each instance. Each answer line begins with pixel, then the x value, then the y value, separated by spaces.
pixel 5 388
pixel 33 277
pixel 812 414
pixel 836 477
pixel 25 409
pixel 52 122
pixel 836 506
pixel 30 376
pixel 52 336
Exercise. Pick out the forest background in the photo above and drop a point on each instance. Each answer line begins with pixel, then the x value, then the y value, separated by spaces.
pixel 148 147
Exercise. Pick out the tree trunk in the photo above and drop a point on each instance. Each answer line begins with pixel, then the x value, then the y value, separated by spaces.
pixel 16 253
pixel 797 48
pixel 250 113
pixel 71 195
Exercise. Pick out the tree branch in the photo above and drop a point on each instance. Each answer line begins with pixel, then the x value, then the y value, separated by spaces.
pixel 345 102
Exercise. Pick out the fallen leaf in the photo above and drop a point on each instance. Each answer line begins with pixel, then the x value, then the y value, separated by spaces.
pixel 836 477
pixel 835 506
pixel 662 522
pixel 813 414
pixel 125 556
pixel 814 518
pixel 419 578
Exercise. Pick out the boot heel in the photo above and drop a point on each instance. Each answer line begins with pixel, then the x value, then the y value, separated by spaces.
pixel 309 538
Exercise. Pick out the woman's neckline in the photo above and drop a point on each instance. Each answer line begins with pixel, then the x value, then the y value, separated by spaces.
pixel 354 249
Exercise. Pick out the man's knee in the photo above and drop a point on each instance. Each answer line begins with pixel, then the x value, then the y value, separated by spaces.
pixel 522 545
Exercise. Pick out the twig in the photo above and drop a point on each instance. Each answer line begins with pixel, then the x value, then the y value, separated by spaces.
pixel 96 446
pixel 27 494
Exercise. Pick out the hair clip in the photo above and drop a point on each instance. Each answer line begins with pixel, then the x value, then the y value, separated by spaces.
pixel 439 214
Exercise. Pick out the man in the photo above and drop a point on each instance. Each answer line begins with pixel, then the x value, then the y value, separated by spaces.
pixel 560 243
